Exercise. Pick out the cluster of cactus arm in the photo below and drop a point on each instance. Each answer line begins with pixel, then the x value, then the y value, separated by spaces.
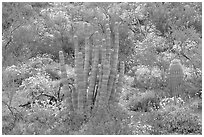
pixel 98 81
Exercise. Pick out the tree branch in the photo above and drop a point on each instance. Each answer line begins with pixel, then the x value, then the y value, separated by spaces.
pixel 9 107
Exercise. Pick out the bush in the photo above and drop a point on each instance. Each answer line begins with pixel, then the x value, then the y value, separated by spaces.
pixel 175 118
pixel 144 102
pixel 30 99
pixel 196 105
pixel 128 93
pixel 114 121
pixel 140 128
pixel 15 75
pixel 148 78
pixel 128 80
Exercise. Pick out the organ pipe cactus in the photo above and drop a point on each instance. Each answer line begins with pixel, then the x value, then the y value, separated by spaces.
pixel 86 65
pixel 114 62
pixel 93 76
pixel 176 76
pixel 120 82
pixel 80 84
pixel 75 94
pixel 64 81
pixel 96 71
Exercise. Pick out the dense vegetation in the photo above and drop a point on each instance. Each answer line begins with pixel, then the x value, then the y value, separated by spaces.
pixel 101 68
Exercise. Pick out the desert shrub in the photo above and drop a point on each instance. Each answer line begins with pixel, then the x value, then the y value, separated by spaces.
pixel 145 102
pixel 22 100
pixel 111 127
pixel 53 121
pixel 16 74
pixel 128 80
pixel 193 77
pixel 195 105
pixel 43 120
pixel 148 78
pixel 175 118
pixel 168 102
pixel 140 128
pixel 115 122
pixel 193 83
pixel 31 104
pixel 128 92
pixel 38 114
pixel 12 77
pixel 37 120
pixel 30 79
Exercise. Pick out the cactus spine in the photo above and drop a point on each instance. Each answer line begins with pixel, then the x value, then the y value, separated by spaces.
pixel 176 77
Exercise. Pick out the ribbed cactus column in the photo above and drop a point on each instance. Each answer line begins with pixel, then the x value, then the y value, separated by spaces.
pixel 103 54
pixel 103 59
pixel 80 85
pixel 176 77
pixel 75 94
pixel 104 84
pixel 64 81
pixel 108 42
pixel 86 64
pixel 118 85
pixel 93 74
pixel 79 79
pixel 120 81
pixel 96 74
pixel 100 75
pixel 114 62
